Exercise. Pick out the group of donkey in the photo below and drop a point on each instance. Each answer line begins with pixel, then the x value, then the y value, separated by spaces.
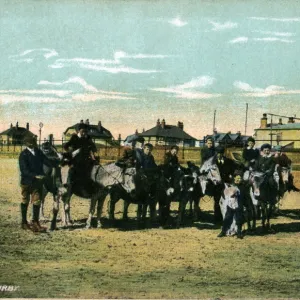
pixel 159 188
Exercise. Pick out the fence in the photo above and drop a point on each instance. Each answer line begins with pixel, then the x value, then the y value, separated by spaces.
pixel 113 150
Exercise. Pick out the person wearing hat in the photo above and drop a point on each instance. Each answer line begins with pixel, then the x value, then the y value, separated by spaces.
pixel 208 150
pixel 83 152
pixel 31 161
pixel 250 154
pixel 265 162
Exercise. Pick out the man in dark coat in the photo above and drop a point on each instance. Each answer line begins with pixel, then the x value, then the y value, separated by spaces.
pixel 146 159
pixel 208 150
pixel 31 161
pixel 85 157
pixel 250 154
pixel 226 168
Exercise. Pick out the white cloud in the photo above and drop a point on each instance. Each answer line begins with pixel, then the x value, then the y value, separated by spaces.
pixel 273 39
pixel 118 69
pixel 48 53
pixel 243 39
pixel 285 34
pixel 59 93
pixel 288 20
pixel 101 64
pixel 198 82
pixel 223 26
pixel 271 90
pixel 7 99
pixel 177 22
pixel 239 40
pixel 77 80
pixel 185 91
pixel 95 97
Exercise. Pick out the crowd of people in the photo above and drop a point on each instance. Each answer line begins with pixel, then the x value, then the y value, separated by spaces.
pixel 139 155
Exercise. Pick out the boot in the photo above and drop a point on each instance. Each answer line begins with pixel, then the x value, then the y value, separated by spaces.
pixel 36 226
pixel 24 225
pixel 221 234
pixel 239 233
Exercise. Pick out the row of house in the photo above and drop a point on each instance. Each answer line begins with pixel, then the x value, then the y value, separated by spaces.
pixel 166 134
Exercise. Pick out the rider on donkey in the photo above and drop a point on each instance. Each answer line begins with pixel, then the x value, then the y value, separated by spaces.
pixel 83 152
pixel 266 164
pixel 208 150
pixel 282 160
pixel 250 154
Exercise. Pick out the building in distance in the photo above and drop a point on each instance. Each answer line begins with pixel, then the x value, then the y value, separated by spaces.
pixel 15 135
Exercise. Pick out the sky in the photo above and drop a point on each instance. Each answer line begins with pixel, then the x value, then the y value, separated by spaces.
pixel 129 63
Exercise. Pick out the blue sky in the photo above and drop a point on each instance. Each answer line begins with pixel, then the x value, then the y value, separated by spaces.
pixel 128 63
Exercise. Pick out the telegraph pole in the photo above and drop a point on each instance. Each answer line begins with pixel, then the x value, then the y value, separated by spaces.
pixel 246 121
pixel 214 124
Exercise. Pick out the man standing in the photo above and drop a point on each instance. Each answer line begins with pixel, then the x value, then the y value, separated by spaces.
pixel 208 150
pixel 226 168
pixel 31 161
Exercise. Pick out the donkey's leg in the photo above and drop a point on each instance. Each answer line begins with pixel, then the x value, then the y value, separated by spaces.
pixel 91 211
pixel 101 198
pixel 125 209
pixel 42 207
pixel 56 199
pixel 181 210
pixel 112 205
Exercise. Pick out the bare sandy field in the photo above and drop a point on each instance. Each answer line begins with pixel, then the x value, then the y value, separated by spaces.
pixel 127 260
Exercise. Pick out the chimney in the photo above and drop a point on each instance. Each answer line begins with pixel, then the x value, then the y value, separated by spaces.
pixel 180 125
pixel 163 124
pixel 263 121
pixel 11 125
pixel 280 121
pixel 100 126
pixel 291 120
pixel 81 121
pixel 51 139
pixel 136 132
pixel 238 133
pixel 87 122
pixel 143 129
pixel 17 125
pixel 27 126
pixel 158 123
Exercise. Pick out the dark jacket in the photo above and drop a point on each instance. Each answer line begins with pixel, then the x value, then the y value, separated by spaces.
pixel 283 161
pixel 207 153
pixel 32 165
pixel 171 160
pixel 148 162
pixel 226 168
pixel 264 164
pixel 84 143
pixel 249 155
